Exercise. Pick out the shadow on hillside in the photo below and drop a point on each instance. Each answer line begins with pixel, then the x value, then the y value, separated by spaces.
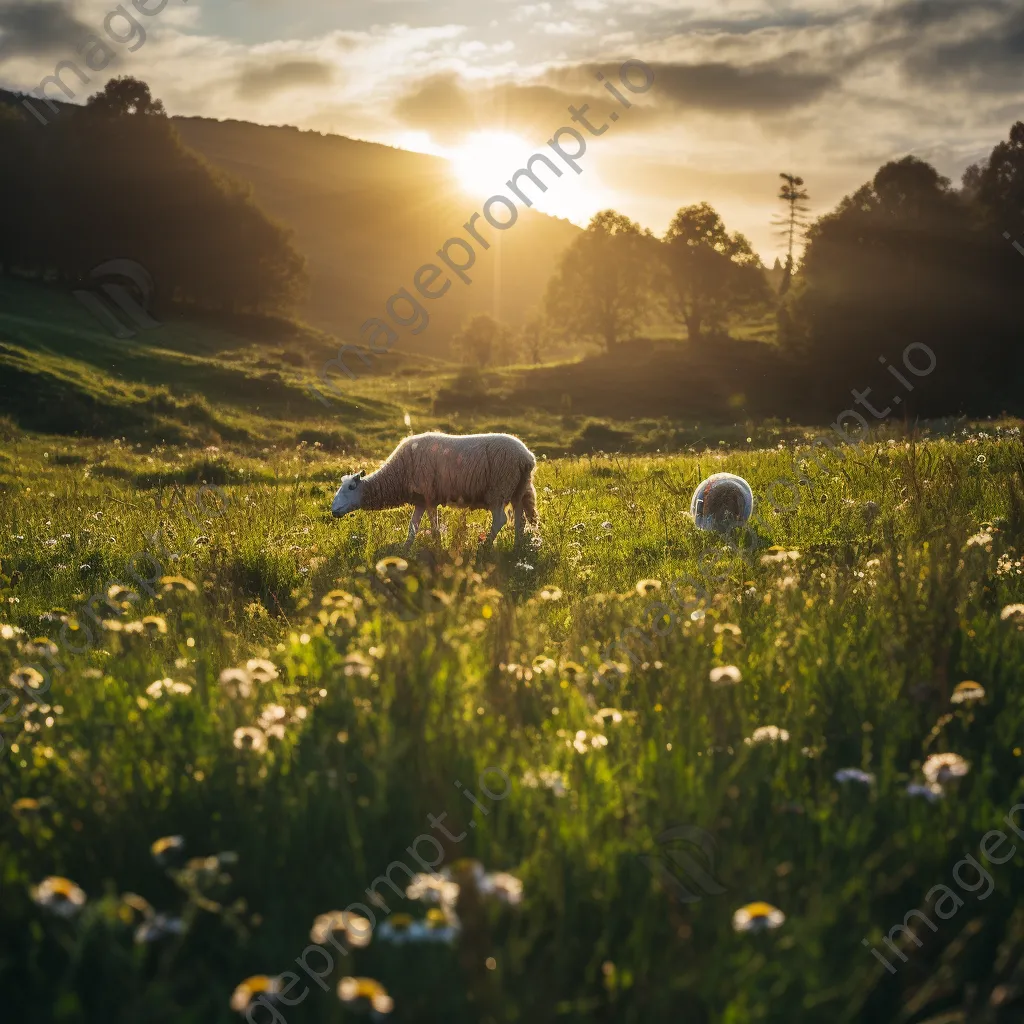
pixel 718 381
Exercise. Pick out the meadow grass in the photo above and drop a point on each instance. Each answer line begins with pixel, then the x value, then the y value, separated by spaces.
pixel 902 555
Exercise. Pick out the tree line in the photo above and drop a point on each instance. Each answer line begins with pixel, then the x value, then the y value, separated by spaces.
pixel 112 179
pixel 908 258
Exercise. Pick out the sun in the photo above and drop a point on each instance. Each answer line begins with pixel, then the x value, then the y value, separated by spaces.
pixel 486 160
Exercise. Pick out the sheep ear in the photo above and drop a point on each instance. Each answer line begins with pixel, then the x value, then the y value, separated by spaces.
pixel 362 473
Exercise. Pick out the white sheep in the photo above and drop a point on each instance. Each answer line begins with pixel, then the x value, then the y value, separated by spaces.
pixel 487 471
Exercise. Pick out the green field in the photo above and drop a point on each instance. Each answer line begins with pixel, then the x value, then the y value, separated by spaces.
pixel 390 700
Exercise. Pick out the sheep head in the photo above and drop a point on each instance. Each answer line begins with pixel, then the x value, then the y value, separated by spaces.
pixel 350 494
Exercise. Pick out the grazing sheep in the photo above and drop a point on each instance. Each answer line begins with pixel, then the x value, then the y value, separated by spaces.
pixel 487 471
pixel 721 502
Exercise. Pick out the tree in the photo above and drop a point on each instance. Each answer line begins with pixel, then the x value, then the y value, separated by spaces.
pixel 902 266
pixel 533 336
pixel 604 284
pixel 137 192
pixel 126 97
pixel 997 185
pixel 484 341
pixel 795 196
pixel 711 274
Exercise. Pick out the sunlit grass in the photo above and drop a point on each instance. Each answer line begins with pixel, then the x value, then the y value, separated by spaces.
pixel 386 682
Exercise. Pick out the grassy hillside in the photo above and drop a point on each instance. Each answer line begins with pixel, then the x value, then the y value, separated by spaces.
pixel 247 379
pixel 367 216
pixel 382 703
pixel 190 381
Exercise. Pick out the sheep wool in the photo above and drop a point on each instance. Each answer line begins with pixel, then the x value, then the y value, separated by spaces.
pixel 472 471
pixel 722 501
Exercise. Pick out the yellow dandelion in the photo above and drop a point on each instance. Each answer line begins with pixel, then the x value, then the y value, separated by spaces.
pixel 354 990
pixel 356 929
pixel 26 678
pixel 596 741
pixel 26 805
pixel 248 738
pixel 59 895
pixel 966 692
pixel 573 668
pixel 261 670
pixel 645 587
pixel 357 664
pixel 436 918
pixel 1013 613
pixel 166 847
pixel 503 886
pixel 172 584
pixel 43 647
pixel 728 627
pixel 608 671
pixel 767 734
pixel 156 687
pixel 778 554
pixel 131 904
pixel 154 624
pixel 725 675
pixel 251 989
pixel 236 682
pixel 982 539
pixel 270 714
pixel 392 562
pixel 757 917
pixel 941 768
pixel 433 888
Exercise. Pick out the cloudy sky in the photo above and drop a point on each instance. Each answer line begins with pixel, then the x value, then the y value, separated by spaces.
pixel 743 89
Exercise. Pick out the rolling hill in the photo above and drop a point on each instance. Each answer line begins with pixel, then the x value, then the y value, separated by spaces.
pixel 365 216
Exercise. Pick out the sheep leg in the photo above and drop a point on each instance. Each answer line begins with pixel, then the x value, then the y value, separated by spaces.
pixel 432 516
pixel 414 524
pixel 520 517
pixel 498 520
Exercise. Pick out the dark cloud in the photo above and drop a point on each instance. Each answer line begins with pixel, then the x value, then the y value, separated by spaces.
pixel 918 15
pixel 438 104
pixel 769 87
pixel 448 107
pixel 260 80
pixel 36 27
pixel 987 56
pixel 978 44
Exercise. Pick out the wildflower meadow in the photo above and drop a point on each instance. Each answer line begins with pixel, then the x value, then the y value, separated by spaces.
pixel 632 771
